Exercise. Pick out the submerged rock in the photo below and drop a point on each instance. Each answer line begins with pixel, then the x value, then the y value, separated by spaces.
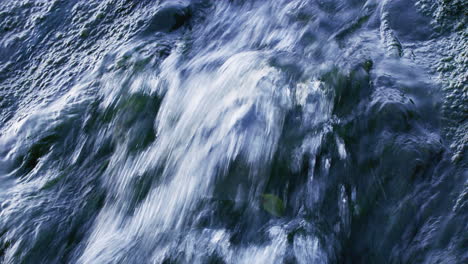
pixel 169 17
pixel 272 204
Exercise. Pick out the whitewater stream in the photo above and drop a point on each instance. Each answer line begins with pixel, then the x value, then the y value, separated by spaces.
pixel 233 131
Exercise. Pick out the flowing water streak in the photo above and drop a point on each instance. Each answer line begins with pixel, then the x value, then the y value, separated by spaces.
pixel 195 142
pixel 210 116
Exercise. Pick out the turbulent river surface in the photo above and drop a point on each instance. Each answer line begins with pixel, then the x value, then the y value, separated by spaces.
pixel 216 131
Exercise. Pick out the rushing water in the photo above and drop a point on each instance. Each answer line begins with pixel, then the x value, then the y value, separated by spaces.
pixel 282 131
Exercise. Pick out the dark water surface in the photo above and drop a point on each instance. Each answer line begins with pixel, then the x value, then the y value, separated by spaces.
pixel 282 131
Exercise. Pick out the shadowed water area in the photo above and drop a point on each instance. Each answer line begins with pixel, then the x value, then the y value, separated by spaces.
pixel 281 131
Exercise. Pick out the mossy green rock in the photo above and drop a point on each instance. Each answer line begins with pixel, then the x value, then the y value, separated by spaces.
pixel 272 204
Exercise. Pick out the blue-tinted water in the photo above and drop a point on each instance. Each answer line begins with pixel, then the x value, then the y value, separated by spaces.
pixel 286 131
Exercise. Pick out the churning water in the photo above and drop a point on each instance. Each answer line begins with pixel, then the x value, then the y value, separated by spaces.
pixel 281 131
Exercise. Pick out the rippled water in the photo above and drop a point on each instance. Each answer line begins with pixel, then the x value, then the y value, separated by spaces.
pixel 285 131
